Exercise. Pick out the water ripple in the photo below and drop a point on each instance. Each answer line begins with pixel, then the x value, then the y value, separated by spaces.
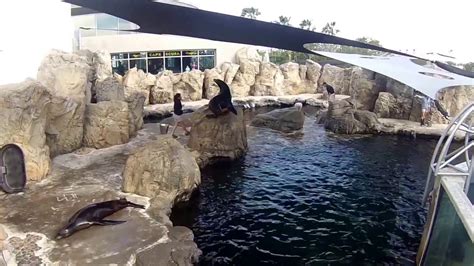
pixel 319 199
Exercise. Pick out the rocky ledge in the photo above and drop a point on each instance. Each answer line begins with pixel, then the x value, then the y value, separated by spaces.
pixel 164 110
pixel 31 219
pixel 413 129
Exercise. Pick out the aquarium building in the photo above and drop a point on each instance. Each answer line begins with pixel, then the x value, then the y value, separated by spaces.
pixel 150 52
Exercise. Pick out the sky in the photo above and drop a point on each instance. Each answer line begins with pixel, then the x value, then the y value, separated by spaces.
pixel 440 26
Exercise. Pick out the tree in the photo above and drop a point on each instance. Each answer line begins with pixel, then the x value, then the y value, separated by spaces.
pixel 283 20
pixel 250 12
pixel 330 29
pixel 363 51
pixel 307 24
pixel 469 67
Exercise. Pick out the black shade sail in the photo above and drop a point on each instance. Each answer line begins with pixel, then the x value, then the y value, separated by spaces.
pixel 161 18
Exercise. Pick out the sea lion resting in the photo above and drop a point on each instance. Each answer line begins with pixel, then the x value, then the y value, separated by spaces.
pixel 94 214
pixel 222 102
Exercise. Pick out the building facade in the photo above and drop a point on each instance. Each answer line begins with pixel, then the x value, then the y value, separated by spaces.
pixel 150 52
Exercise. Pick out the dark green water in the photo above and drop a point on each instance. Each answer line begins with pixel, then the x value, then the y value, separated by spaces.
pixel 316 199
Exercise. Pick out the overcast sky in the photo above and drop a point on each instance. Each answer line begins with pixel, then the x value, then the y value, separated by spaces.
pixel 425 25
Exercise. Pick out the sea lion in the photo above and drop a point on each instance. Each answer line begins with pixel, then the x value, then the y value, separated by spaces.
pixel 94 214
pixel 222 102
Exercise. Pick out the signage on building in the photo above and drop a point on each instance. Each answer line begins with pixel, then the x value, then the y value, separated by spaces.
pixel 172 53
pixel 155 54
pixel 190 53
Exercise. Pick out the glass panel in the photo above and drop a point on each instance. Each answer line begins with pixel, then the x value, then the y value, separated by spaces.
pixel 126 25
pixel 206 62
pixel 108 22
pixel 119 56
pixel 449 243
pixel 190 63
pixel 138 63
pixel 207 52
pixel 173 64
pixel 155 65
pixel 86 24
pixel 120 66
pixel 155 54
pixel 138 55
pixel 173 53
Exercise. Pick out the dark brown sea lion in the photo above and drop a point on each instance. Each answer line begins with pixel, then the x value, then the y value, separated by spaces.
pixel 94 214
pixel 222 102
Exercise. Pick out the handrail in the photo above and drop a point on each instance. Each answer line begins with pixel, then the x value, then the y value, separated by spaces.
pixel 441 159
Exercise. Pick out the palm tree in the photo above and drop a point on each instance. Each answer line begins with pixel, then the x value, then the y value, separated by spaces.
pixel 250 12
pixel 307 24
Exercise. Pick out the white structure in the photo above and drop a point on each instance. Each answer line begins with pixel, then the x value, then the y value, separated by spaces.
pixel 29 29
pixel 150 52
pixel 416 73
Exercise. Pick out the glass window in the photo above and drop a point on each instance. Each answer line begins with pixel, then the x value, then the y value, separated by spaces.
pixel 155 65
pixel 86 25
pixel 173 64
pixel 119 56
pixel 106 24
pixel 120 66
pixel 138 63
pixel 190 63
pixel 206 62
pixel 126 25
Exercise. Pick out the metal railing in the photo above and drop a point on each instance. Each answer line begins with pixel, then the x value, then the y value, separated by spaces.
pixel 443 161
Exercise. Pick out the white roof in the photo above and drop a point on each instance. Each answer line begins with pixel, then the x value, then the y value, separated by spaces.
pixel 419 74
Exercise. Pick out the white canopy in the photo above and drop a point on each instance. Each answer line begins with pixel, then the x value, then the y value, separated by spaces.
pixel 419 74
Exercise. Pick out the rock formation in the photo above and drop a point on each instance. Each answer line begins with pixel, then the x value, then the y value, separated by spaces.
pixel 363 89
pixel 454 99
pixel 269 81
pixel 285 120
pixel 333 76
pixel 229 70
pixel 163 168
pixel 210 87
pixel 342 118
pixel 136 103
pixel 23 112
pixel 180 251
pixel 292 83
pixel 66 76
pixel 249 61
pixel 106 124
pixel 217 139
pixel 313 71
pixel 190 85
pixel 137 80
pixel 109 89
pixel 386 105
pixel 162 91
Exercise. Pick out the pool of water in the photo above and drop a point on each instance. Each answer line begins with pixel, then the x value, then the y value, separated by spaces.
pixel 312 199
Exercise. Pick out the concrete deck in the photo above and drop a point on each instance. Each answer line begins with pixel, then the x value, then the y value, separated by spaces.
pixel 33 218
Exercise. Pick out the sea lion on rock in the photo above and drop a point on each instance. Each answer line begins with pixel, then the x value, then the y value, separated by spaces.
pixel 94 214
pixel 222 102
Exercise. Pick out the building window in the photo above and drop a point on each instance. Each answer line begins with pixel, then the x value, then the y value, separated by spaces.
pixel 206 62
pixel 102 24
pixel 156 61
pixel 155 65
pixel 107 24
